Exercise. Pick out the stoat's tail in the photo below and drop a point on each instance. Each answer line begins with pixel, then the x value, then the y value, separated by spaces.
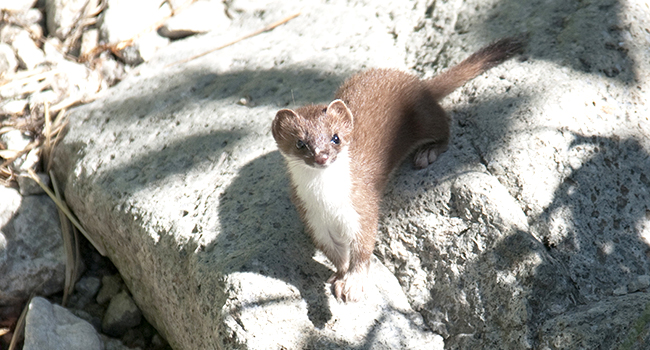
pixel 480 61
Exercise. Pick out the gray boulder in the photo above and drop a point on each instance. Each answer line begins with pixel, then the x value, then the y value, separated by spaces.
pixel 535 221
pixel 52 327
pixel 32 257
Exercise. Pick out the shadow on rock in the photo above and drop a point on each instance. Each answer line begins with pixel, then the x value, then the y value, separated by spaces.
pixel 143 123
pixel 261 233
pixel 597 224
pixel 594 248
pixel 587 37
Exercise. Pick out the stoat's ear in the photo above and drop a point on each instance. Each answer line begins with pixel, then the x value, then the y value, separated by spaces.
pixel 283 122
pixel 339 110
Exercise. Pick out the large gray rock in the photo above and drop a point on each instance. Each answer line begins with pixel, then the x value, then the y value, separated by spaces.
pixel 536 216
pixel 230 266
pixel 568 139
pixel 613 323
pixel 52 327
pixel 32 258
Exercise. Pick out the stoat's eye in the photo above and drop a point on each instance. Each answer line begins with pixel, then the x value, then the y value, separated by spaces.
pixel 335 139
pixel 300 144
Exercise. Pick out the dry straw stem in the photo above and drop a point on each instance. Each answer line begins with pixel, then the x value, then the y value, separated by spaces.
pixel 48 136
pixel 57 131
pixel 258 32
pixel 71 243
pixel 64 208
pixel 29 147
pixel 5 177
pixel 91 9
pixel 52 131
pixel 73 101
pixel 27 82
pixel 20 326
pixel 6 129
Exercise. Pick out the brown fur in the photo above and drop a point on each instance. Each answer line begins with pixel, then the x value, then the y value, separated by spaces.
pixel 384 115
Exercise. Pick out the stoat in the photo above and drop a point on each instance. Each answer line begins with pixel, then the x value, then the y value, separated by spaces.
pixel 340 156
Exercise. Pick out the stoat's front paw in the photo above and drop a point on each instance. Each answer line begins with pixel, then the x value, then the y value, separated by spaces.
pixel 348 287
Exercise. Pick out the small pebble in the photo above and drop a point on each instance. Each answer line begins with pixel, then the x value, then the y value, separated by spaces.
pixel 111 285
pixel 622 290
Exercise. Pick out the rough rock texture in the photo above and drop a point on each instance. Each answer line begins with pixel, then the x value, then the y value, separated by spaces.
pixel 50 326
pixel 29 55
pixel 565 136
pixel 62 15
pixel 16 5
pixel 531 232
pixel 115 344
pixel 111 285
pixel 199 17
pixel 29 187
pixel 31 249
pixel 125 20
pixel 121 315
pixel 8 61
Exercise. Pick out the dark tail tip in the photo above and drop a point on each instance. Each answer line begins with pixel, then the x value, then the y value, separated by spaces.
pixel 489 56
pixel 500 51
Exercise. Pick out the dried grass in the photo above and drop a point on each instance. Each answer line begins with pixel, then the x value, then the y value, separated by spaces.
pixel 64 208
pixel 46 133
pixel 20 326
pixel 71 244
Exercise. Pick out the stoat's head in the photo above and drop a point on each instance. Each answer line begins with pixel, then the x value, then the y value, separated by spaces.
pixel 315 134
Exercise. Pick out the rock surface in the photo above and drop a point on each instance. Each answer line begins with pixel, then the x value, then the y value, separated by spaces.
pixel 50 326
pixel 8 61
pixel 29 55
pixel 16 5
pixel 63 15
pixel 127 20
pixel 199 17
pixel 121 315
pixel 531 232
pixel 31 249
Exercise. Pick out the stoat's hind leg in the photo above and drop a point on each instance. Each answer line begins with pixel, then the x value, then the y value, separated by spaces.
pixel 428 153
pixel 431 129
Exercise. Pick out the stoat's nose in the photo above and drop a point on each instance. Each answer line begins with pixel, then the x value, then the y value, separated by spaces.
pixel 321 158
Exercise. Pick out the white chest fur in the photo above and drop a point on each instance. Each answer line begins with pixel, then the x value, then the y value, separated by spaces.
pixel 325 194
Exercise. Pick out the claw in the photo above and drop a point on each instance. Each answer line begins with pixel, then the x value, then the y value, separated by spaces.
pixel 349 287
pixel 428 154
